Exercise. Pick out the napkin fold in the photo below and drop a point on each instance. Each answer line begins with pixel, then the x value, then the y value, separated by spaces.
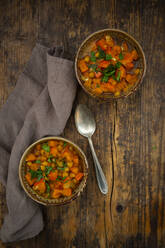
pixel 39 106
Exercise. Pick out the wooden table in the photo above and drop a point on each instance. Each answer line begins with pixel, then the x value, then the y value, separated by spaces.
pixel 130 135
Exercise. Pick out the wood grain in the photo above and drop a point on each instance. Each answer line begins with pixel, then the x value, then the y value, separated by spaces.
pixel 130 135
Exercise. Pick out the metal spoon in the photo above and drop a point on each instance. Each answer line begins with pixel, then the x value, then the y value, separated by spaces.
pixel 86 126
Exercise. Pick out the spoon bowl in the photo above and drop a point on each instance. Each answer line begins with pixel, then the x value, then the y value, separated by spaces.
pixel 84 120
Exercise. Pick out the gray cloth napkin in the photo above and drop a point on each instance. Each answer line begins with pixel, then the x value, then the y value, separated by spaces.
pixel 39 106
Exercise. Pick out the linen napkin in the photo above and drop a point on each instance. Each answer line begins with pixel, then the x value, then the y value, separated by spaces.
pixel 39 106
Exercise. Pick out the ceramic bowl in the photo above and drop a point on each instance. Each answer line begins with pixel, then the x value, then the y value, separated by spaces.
pixel 60 201
pixel 119 36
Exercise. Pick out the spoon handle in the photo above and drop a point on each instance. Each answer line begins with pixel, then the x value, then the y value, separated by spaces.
pixel 102 183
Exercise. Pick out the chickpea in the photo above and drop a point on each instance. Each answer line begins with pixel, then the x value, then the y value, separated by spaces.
pixel 29 163
pixel 65 174
pixel 37 153
pixel 117 93
pixel 43 158
pixel 60 173
pixel 74 180
pixel 108 37
pixel 83 78
pixel 87 59
pixel 70 148
pixel 60 163
pixel 113 82
pixel 136 71
pixel 91 74
pixel 45 163
pixel 53 165
pixel 47 154
pixel 42 167
pixel 60 147
pixel 66 185
pixel 125 89
pixel 42 152
pixel 70 164
pixel 72 175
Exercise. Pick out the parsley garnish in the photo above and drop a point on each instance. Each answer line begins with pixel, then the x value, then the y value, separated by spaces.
pixel 118 64
pixel 59 178
pixel 48 169
pixel 46 147
pixel 113 76
pixel 93 66
pixel 60 168
pixel 93 57
pixel 118 76
pixel 109 69
pixel 47 188
pixel 36 174
pixel 102 54
pixel 64 164
pixel 65 144
pixel 38 161
pixel 50 158
pixel 105 79
pixel 39 177
pixel 108 57
pixel 33 174
pixel 110 73
pixel 121 56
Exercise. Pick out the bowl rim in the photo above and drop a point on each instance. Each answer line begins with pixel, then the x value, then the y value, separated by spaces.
pixel 118 31
pixel 75 195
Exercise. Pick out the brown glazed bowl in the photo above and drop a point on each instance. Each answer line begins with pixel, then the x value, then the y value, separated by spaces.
pixel 60 201
pixel 119 36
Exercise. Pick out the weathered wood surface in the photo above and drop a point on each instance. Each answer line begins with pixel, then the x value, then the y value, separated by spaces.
pixel 130 135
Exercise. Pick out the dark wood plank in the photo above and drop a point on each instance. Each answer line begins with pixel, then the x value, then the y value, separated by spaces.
pixel 129 139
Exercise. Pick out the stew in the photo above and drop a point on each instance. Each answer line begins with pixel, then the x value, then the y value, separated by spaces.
pixel 53 169
pixel 109 67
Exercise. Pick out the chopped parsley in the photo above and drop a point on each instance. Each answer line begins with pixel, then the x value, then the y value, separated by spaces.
pixel 118 76
pixel 93 57
pixel 50 158
pixel 118 64
pixel 38 162
pixel 93 66
pixel 47 188
pixel 45 147
pixel 121 56
pixel 108 57
pixel 60 168
pixel 102 54
pixel 36 174
pixel 105 78
pixel 48 169
pixel 65 144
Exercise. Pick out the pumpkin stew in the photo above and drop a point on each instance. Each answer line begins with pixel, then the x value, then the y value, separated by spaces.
pixel 109 67
pixel 53 169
